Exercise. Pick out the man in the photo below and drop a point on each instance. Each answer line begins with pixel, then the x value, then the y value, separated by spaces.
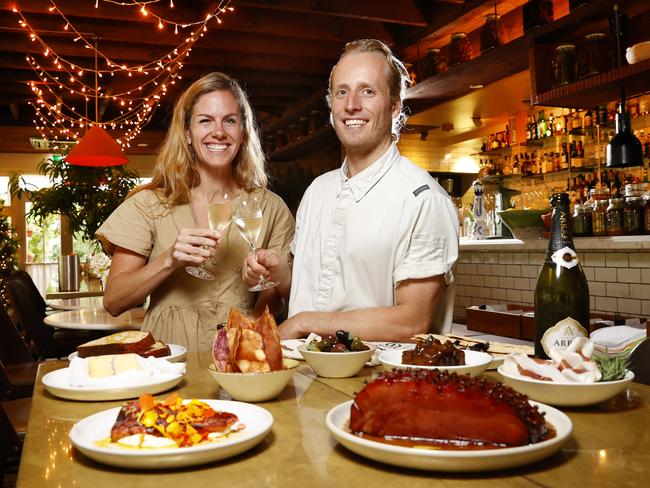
pixel 376 240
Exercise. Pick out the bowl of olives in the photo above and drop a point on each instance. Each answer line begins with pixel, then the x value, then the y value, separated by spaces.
pixel 339 355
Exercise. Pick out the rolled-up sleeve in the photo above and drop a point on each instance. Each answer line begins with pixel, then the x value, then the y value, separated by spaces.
pixel 429 239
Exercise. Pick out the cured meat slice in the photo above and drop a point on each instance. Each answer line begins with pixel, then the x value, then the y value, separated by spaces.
pixel 444 407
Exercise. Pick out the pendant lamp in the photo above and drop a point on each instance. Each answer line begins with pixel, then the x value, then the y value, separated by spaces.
pixel 96 147
pixel 625 149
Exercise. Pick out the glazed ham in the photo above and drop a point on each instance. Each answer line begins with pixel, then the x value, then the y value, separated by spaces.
pixel 442 407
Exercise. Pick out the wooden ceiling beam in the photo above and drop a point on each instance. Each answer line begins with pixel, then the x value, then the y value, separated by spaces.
pixel 406 14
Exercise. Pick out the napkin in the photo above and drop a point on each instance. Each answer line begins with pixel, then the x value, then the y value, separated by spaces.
pixel 617 339
pixel 151 368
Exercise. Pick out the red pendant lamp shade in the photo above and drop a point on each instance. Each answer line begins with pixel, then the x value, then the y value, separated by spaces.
pixel 97 148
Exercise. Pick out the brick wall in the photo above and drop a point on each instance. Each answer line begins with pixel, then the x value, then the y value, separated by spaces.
pixel 619 279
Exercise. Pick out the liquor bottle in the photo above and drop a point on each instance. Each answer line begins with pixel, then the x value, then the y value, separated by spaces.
pixel 479 228
pixel 562 293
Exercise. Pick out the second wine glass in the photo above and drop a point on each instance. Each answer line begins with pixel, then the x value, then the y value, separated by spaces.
pixel 247 217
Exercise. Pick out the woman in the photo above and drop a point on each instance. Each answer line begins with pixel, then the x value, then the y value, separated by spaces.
pixel 212 147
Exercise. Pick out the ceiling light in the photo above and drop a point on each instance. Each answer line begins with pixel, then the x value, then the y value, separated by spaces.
pixel 478 86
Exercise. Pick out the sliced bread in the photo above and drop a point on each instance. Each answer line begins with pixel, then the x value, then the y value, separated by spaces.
pixel 119 343
pixel 158 350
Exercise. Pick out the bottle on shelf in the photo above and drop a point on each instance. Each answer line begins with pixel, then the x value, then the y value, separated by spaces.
pixel 479 228
pixel 562 292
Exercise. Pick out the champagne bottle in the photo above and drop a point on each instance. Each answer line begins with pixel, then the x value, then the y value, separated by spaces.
pixel 562 293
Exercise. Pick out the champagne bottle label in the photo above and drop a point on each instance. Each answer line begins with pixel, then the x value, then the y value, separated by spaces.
pixel 565 257
pixel 561 335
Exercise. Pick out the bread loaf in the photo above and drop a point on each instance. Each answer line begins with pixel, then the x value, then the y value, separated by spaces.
pixel 135 341
pixel 158 350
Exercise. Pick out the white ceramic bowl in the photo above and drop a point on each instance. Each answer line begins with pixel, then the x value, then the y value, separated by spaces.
pixel 255 387
pixel 476 362
pixel 336 364
pixel 566 394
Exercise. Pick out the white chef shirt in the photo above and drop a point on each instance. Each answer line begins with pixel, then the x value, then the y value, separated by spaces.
pixel 357 238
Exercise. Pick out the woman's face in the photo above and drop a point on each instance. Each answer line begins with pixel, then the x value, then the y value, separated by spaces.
pixel 216 129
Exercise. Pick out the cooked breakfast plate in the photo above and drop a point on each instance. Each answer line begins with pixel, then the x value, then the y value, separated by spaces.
pixel 58 384
pixel 476 362
pixel 90 434
pixel 178 353
pixel 449 460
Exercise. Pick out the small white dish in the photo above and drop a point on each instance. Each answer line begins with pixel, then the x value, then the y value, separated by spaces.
pixel 449 460
pixel 178 353
pixel 290 348
pixel 476 362
pixel 337 364
pixel 58 384
pixel 86 433
pixel 565 394
pixel 255 387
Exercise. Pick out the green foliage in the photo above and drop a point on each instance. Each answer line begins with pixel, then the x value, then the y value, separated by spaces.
pixel 87 195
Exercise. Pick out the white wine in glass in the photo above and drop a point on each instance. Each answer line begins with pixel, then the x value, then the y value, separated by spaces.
pixel 219 217
pixel 247 217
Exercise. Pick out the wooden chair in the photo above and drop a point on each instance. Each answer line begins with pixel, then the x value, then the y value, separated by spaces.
pixel 13 426
pixel 17 366
pixel 640 362
pixel 30 308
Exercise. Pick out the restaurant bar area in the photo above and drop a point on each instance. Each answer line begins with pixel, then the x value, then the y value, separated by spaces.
pixel 278 243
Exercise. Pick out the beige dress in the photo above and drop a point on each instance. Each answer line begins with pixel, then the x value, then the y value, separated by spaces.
pixel 185 310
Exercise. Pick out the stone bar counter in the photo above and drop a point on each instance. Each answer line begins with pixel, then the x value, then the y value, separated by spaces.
pixel 505 271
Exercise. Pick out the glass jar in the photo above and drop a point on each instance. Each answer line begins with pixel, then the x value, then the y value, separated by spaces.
pixel 646 214
pixel 303 123
pixel 490 35
pixel 598 54
pixel 633 216
pixel 280 139
pixel 433 63
pixel 292 133
pixel 565 68
pixel 615 217
pixel 460 49
pixel 599 218
pixel 582 220
pixel 537 13
pixel 270 143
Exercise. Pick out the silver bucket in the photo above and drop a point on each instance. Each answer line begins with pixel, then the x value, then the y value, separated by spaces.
pixel 69 272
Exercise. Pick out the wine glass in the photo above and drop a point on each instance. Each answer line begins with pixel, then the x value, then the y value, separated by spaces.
pixel 219 217
pixel 247 217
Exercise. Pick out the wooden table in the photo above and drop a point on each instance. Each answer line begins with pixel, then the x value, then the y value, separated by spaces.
pixel 96 319
pixel 75 303
pixel 609 445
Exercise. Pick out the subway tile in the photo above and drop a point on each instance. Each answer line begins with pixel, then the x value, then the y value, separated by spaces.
pixel 506 282
pixel 491 258
pixel 645 276
pixel 529 271
pixel 528 297
pixel 498 270
pixel 483 292
pixel 520 258
pixel 478 280
pixel 471 291
pixel 616 260
pixel 532 283
pixel 604 274
pixel 629 306
pixel 645 308
pixel 621 290
pixel 484 269
pixel 476 257
pixel 535 258
pixel 459 313
pixel 505 258
pixel 639 260
pixel 594 259
pixel 606 304
pixel 499 294
pixel 522 284
pixel 513 270
pixel 464 257
pixel 640 291
pixel 460 289
pixel 628 275
pixel 513 295
pixel 492 281
pixel 598 288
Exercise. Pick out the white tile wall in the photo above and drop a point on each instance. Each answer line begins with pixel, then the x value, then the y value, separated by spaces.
pixel 619 281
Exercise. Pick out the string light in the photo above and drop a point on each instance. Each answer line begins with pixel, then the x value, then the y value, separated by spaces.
pixel 57 119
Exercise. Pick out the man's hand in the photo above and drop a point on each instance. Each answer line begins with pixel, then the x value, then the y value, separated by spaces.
pixel 271 266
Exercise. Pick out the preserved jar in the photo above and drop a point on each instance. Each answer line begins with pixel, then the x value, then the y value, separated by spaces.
pixel 537 13
pixel 565 68
pixel 633 216
pixel 615 217
pixel 646 214
pixel 280 139
pixel 490 35
pixel 582 220
pixel 599 218
pixel 598 54
pixel 433 63
pixel 303 123
pixel 460 49
pixel 562 293
pixel 293 133
pixel 270 143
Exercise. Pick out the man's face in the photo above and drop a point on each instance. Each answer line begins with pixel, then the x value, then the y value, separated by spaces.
pixel 362 110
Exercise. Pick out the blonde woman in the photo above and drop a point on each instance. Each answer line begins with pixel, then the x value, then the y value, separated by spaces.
pixel 212 148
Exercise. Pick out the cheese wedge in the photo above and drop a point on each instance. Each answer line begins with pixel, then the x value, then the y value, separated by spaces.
pixel 111 364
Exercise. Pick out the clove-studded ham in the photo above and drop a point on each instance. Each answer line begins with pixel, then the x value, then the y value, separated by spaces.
pixel 447 408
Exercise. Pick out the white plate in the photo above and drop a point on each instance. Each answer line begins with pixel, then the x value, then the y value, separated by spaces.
pixel 449 460
pixel 290 348
pixel 178 353
pixel 85 434
pixel 58 384
pixel 477 362
pixel 566 394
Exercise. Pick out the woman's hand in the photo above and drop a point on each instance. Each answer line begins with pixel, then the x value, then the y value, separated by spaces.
pixel 193 246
